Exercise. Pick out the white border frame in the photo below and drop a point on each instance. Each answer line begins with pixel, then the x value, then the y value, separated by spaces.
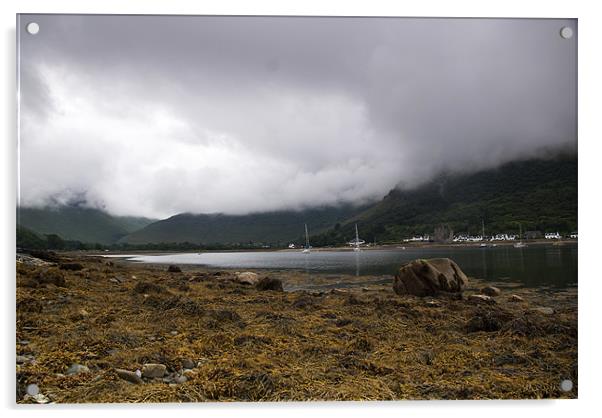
pixel 590 68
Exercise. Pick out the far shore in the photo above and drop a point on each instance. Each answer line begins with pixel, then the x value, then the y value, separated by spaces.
pixel 395 246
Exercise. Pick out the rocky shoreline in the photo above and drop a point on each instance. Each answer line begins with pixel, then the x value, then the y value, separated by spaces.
pixel 94 330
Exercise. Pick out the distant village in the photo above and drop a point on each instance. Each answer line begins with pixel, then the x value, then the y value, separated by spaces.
pixel 528 235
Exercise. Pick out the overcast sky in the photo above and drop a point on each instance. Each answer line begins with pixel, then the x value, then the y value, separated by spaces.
pixel 154 116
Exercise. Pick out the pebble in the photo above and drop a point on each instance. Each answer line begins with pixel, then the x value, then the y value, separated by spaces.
pixel 77 369
pixel 180 379
pixel 188 363
pixel 151 370
pixel 40 398
pixel 481 298
pixel 23 359
pixel 516 298
pixel 131 377
pixel 174 333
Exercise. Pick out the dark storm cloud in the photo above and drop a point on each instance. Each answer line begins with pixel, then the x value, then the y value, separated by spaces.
pixel 159 115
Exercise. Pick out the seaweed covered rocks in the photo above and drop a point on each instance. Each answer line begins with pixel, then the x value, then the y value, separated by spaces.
pixel 269 283
pixel 429 278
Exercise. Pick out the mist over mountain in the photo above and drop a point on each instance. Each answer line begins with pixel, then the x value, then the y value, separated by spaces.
pixel 535 195
pixel 538 194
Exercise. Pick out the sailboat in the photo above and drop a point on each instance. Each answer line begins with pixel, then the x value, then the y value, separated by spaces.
pixel 483 245
pixel 520 244
pixel 357 241
pixel 307 247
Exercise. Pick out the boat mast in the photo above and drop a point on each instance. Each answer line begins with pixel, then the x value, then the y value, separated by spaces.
pixel 306 238
pixel 483 228
pixel 357 237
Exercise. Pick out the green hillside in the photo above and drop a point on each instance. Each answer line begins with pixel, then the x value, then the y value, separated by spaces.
pixel 540 194
pixel 270 227
pixel 79 224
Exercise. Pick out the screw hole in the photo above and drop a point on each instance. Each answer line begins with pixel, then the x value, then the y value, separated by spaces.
pixel 33 28
pixel 566 385
pixel 566 32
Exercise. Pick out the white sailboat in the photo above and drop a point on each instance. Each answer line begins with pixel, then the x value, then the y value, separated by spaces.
pixel 520 244
pixel 483 245
pixel 357 241
pixel 307 247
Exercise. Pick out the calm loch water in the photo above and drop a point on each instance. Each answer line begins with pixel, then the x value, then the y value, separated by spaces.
pixel 535 265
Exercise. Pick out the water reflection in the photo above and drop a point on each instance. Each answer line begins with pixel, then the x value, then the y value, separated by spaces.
pixel 533 266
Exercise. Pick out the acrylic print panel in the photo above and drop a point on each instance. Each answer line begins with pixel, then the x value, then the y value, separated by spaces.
pixel 218 208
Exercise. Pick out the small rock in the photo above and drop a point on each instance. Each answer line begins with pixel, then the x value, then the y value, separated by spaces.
pixel 23 359
pixel 491 291
pixel 247 277
pixel 516 298
pixel 151 370
pixel 481 299
pixel 188 363
pixel 174 332
pixel 174 269
pixel 40 398
pixel 131 377
pixel 544 310
pixel 114 280
pixel 180 379
pixel 77 369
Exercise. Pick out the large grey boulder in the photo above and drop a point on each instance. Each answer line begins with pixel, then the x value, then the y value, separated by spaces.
pixel 429 278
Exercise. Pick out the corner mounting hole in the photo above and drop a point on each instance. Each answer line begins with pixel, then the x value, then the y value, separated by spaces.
pixel 566 385
pixel 33 28
pixel 566 32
